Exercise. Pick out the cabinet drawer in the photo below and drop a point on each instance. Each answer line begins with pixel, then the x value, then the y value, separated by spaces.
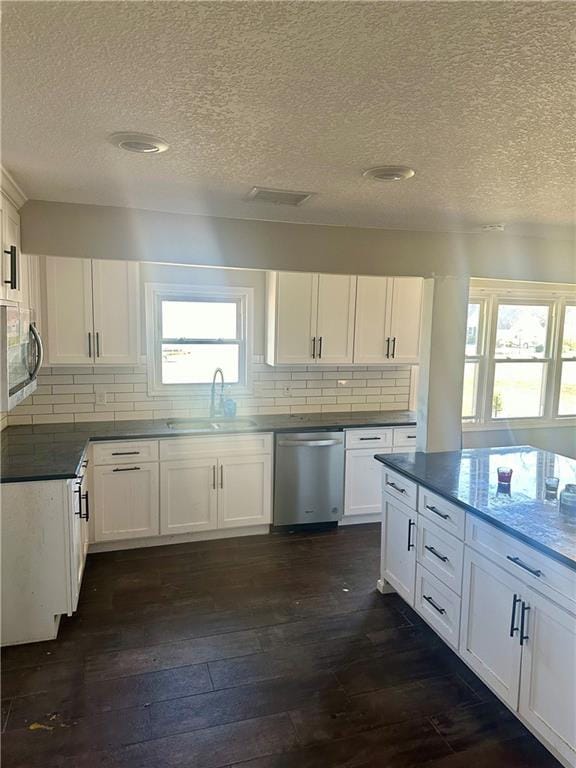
pixel 441 553
pixel 214 445
pixel 399 487
pixel 438 606
pixel 368 438
pixel 445 514
pixel 125 452
pixel 404 437
pixel 541 572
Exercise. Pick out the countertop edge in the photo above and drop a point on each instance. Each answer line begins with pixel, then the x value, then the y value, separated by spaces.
pixel 558 556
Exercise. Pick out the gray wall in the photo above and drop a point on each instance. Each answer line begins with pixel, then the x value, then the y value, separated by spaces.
pixel 104 232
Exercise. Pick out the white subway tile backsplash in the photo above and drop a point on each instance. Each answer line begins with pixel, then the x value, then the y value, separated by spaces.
pixel 71 393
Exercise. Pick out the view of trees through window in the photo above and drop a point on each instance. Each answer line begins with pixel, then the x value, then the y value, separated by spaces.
pixel 520 359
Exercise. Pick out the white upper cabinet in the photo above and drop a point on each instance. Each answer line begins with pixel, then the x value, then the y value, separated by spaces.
pixel 335 324
pixel 387 328
pixel 13 271
pixel 310 318
pixel 69 311
pixel 405 298
pixel 92 312
pixel 115 291
pixel 292 312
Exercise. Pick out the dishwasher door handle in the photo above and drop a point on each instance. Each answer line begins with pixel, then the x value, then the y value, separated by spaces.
pixel 308 443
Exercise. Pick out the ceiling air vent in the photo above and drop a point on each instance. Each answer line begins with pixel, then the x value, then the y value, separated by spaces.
pixel 278 196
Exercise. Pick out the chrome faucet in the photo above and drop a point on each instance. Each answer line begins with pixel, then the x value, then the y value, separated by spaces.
pixel 217 411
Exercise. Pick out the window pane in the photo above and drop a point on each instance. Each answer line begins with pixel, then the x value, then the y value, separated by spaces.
pixel 196 363
pixel 199 320
pixel 470 390
pixel 567 404
pixel 521 330
pixel 518 390
pixel 473 330
pixel 569 335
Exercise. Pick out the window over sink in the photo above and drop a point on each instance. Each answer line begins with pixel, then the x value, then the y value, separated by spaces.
pixel 193 331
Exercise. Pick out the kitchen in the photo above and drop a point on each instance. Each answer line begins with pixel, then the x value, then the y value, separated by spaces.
pixel 284 478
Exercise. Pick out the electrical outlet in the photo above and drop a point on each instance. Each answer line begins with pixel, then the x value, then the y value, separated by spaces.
pixel 101 398
pixel 287 391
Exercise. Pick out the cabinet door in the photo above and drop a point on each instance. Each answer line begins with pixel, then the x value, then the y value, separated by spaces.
pixel 188 495
pixel 363 483
pixel 245 491
pixel 69 311
pixel 399 549
pixel 126 502
pixel 295 309
pixel 335 328
pixel 12 269
pixel 371 336
pixel 490 635
pixel 548 679
pixel 116 312
pixel 76 541
pixel 405 299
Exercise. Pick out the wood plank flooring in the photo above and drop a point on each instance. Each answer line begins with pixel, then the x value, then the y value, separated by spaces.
pixel 263 652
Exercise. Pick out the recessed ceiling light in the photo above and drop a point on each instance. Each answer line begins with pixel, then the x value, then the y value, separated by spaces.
pixel 493 227
pixel 390 173
pixel 142 143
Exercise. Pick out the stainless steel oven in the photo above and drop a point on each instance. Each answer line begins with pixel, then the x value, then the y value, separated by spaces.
pixel 21 355
pixel 308 478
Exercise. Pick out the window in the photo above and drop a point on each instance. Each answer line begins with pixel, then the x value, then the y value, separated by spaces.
pixel 193 331
pixel 520 356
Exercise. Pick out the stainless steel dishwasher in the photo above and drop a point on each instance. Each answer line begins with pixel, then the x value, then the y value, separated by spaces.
pixel 308 478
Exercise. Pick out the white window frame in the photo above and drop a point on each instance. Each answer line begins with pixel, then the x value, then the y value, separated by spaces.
pixel 490 298
pixel 156 293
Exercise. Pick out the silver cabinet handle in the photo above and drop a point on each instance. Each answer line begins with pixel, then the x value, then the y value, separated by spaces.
pixel 213 477
pixel 221 476
pixel 308 443
pixel 314 348
pixel 436 511
pixel 89 344
pixel 396 487
pixel 126 453
pixel 388 347
pixel 97 343
pixel 369 438
pixel 320 348
pixel 393 347
pixel 436 553
pixel 434 604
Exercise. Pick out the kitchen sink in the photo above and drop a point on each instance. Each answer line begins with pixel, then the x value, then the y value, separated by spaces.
pixel 202 425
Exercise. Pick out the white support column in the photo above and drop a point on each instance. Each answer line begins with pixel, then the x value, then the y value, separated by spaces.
pixel 439 407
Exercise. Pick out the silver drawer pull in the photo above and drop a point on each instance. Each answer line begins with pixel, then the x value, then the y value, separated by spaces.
pixel 396 487
pixel 126 469
pixel 126 453
pixel 434 604
pixel 518 562
pixel 369 438
pixel 436 511
pixel 436 553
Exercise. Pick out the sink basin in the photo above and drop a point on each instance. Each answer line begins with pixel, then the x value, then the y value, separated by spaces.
pixel 201 425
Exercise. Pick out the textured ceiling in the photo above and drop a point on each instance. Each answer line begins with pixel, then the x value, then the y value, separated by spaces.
pixel 479 97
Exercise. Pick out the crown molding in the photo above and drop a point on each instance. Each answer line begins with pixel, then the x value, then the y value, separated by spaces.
pixel 12 189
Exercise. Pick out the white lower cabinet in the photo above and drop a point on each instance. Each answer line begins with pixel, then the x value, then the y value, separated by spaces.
pixel 489 638
pixel 245 491
pixel 188 495
pixel 438 605
pixel 363 491
pixel 126 501
pixel 399 548
pixel 79 505
pixel 548 674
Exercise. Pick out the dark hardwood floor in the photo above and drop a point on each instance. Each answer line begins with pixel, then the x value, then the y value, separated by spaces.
pixel 263 652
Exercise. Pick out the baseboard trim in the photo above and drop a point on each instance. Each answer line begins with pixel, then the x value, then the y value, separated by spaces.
pixel 181 538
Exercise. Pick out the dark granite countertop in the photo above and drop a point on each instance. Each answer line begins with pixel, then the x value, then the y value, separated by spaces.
pixel 55 451
pixel 469 478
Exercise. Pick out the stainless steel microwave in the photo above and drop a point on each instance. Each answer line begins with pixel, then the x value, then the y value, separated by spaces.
pixel 21 356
